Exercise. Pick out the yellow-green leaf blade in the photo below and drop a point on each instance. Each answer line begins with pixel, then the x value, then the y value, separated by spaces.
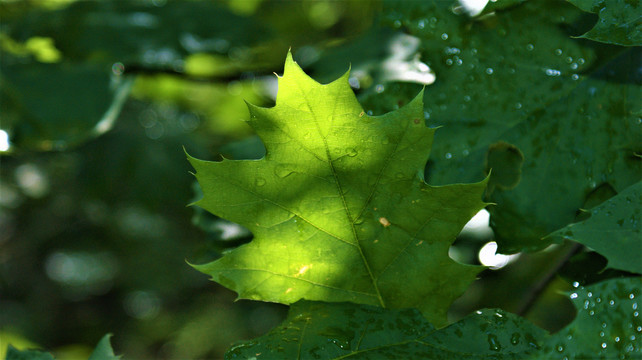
pixel 338 205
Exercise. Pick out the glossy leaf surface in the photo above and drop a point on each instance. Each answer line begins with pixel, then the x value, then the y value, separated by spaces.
pixel 337 331
pixel 518 77
pixel 338 205
pixel 613 230
pixel 619 23
pixel 607 326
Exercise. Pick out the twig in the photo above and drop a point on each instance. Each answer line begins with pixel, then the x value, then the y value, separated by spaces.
pixel 539 288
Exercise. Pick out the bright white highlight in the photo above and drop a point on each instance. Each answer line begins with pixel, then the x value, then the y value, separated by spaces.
pixel 404 63
pixel 4 141
pixel 473 7
pixel 478 222
pixel 488 257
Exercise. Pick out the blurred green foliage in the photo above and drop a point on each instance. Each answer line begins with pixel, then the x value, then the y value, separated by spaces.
pixel 98 100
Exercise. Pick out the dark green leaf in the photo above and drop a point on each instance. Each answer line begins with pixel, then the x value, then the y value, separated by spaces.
pixel 103 350
pixel 613 230
pixel 607 326
pixel 619 23
pixel 14 354
pixel 517 77
pixel 336 331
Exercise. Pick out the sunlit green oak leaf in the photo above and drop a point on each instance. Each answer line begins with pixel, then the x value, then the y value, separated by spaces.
pixel 608 324
pixel 348 331
pixel 613 230
pixel 619 23
pixel 338 205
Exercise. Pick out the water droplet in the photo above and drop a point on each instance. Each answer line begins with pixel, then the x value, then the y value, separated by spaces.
pixel 489 71
pixel 449 61
pixel 514 339
pixel 493 343
pixel 589 294
pixel 421 24
pixel 617 339
pixel 530 47
pixel 352 152
pixel 601 333
pixel 569 59
pixel 631 296
pixel 575 76
pixel 518 106
pixel 574 296
pixel 639 329
pixel 573 66
pixel 379 89
pixel 558 52
pixel 282 171
pixel 448 156
pixel 611 302
pixel 397 24
pixel 576 284
pixel 259 181
pixel 603 345
pixel 553 72
pixel 634 306
pixel 444 36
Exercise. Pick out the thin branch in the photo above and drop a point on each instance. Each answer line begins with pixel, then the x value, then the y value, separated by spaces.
pixel 538 289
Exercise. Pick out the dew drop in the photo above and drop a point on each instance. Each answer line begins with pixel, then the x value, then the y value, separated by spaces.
pixel 575 76
pixel 514 339
pixel 558 52
pixel 493 343
pixel 560 348
pixel 612 302
pixel 489 71
pixel 379 89
pixel 530 47
pixel 352 152
pixel 576 284
pixel 448 156
pixel 282 171
pixel 603 345
pixel 574 296
pixel 444 36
